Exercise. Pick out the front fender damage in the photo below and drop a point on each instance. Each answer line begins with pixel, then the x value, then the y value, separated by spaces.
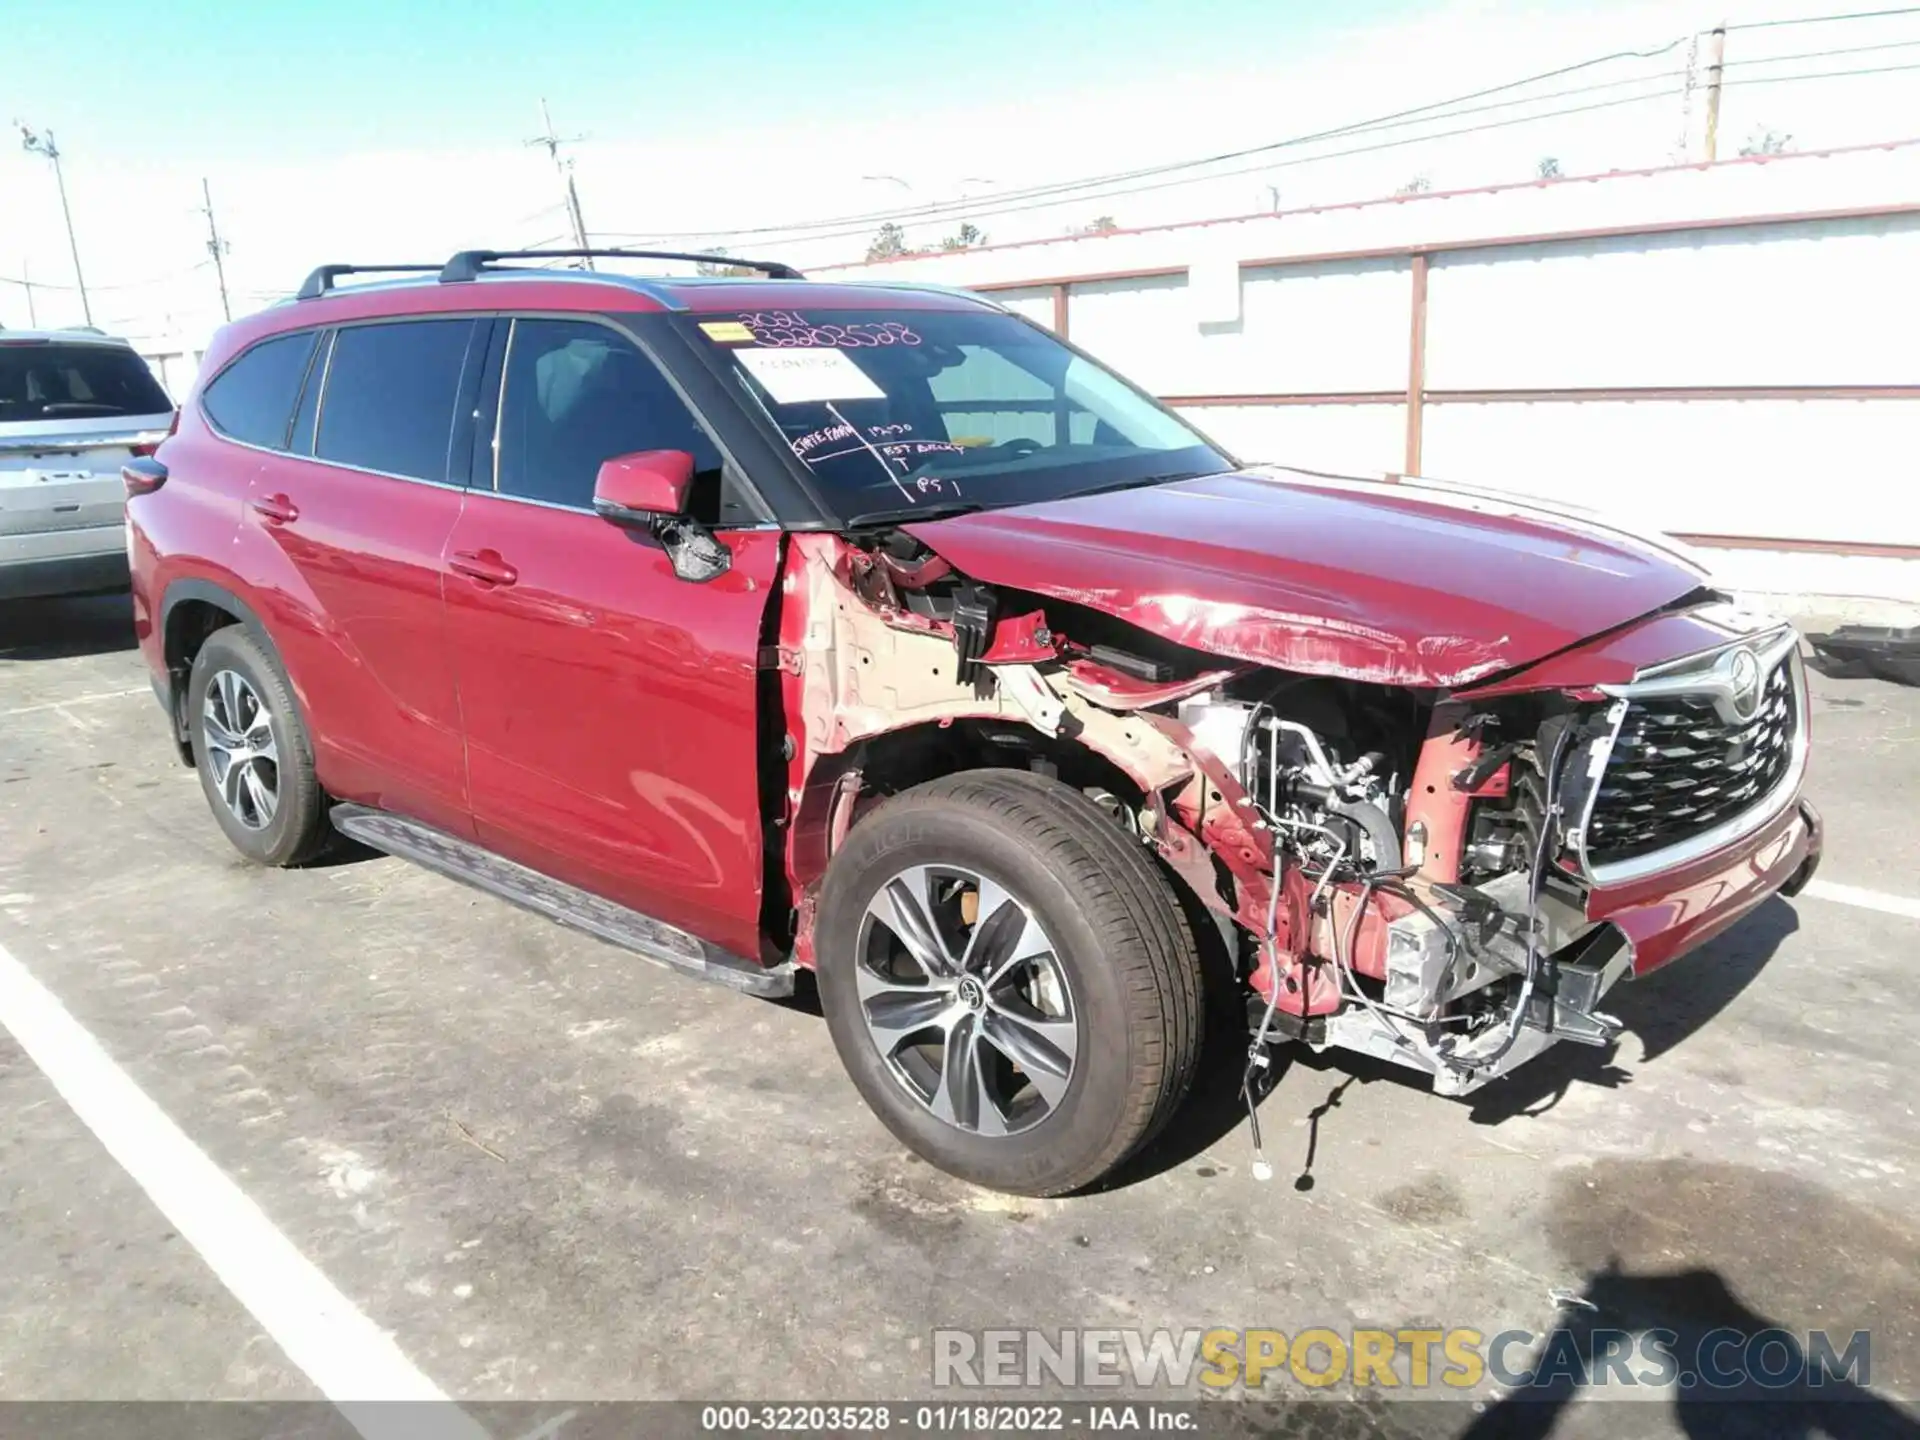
pixel 857 665
pixel 873 667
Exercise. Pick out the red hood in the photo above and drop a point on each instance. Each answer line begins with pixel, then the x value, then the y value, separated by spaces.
pixel 1402 584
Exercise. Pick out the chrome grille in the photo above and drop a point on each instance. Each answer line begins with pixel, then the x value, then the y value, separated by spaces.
pixel 1679 767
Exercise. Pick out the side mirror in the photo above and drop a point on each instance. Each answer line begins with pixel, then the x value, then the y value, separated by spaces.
pixel 644 486
pixel 649 488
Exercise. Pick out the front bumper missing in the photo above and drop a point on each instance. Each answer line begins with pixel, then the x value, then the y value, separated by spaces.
pixel 1569 1014
pixel 1629 931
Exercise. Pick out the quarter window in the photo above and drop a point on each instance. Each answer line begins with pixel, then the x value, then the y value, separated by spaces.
pixel 577 394
pixel 391 395
pixel 252 399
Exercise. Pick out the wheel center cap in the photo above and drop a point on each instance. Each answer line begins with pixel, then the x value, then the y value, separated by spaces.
pixel 972 993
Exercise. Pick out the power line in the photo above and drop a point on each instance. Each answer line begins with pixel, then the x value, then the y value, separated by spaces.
pixel 1823 19
pixel 125 285
pixel 1825 54
pixel 1301 160
pixel 1824 75
pixel 944 209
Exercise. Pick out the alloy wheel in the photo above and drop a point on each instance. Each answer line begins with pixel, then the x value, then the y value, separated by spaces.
pixel 965 998
pixel 240 749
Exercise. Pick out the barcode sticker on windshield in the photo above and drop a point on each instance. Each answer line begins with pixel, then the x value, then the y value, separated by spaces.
pixel 795 377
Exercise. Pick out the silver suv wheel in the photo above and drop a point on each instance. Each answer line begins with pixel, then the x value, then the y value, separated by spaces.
pixel 964 997
pixel 240 749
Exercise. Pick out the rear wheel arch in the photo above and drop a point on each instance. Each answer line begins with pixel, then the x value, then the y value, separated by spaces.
pixel 190 612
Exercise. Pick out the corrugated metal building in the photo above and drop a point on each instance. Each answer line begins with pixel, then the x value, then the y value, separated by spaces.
pixel 1729 352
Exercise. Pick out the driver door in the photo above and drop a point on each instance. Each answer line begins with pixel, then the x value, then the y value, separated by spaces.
pixel 608 706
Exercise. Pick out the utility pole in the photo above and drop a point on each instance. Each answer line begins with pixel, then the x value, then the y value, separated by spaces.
pixel 26 283
pixel 553 142
pixel 42 144
pixel 1716 63
pixel 216 247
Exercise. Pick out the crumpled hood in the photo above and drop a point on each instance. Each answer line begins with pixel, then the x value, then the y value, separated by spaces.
pixel 1405 584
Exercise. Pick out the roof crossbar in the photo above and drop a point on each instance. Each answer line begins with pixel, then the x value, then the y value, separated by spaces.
pixel 321 280
pixel 468 264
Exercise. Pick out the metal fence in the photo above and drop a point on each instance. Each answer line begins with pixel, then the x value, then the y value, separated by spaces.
pixel 1729 353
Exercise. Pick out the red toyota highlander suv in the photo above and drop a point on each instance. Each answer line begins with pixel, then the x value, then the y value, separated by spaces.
pixel 756 625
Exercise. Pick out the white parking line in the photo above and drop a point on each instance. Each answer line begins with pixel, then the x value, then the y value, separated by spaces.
pixel 352 1361
pixel 1864 899
pixel 76 700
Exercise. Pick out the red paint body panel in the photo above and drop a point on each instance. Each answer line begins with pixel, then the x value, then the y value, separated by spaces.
pixel 1394 584
pixel 1669 914
pixel 350 590
pixel 1615 657
pixel 609 712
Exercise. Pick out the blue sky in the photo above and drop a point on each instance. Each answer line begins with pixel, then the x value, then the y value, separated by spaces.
pixel 241 80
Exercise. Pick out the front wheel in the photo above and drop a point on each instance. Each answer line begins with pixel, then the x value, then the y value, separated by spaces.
pixel 1009 980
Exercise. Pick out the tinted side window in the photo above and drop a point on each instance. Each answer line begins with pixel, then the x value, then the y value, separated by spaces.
pixel 252 399
pixel 576 394
pixel 390 398
pixel 301 442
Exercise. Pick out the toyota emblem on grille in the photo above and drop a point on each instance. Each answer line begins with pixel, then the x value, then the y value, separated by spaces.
pixel 1743 678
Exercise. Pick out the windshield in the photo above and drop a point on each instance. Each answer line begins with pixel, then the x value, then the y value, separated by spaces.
pixel 899 413
pixel 47 380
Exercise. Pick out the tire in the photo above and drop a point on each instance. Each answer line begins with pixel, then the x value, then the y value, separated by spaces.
pixel 277 814
pixel 1111 986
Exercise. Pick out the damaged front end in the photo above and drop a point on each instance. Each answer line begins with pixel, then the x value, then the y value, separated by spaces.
pixel 1405 869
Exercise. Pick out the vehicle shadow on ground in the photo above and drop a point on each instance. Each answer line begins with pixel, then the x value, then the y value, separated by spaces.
pixel 66 627
pixel 1660 1012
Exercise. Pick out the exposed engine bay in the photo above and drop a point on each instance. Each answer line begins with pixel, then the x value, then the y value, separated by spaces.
pixel 1388 864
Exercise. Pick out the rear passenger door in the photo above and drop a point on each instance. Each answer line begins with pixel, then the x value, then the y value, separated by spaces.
pixel 609 705
pixel 357 516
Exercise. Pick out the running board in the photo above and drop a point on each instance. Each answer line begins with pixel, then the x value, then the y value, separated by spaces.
pixel 578 909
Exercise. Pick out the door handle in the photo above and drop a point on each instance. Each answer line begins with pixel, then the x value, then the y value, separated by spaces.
pixel 484 566
pixel 275 509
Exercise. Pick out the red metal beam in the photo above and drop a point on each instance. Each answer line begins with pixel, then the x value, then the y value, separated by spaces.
pixel 1060 311
pixel 1568 395
pixel 1490 242
pixel 1866 548
pixel 1677 392
pixel 1303 397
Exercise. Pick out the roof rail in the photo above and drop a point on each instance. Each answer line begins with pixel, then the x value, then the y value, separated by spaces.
pixel 321 280
pixel 468 264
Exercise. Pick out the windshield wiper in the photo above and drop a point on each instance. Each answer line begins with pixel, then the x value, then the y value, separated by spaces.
pixel 917 512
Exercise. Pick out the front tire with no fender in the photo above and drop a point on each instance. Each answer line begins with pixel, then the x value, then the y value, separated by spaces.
pixel 1009 980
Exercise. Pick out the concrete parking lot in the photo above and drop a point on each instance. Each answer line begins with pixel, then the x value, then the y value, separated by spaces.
pixel 551 1171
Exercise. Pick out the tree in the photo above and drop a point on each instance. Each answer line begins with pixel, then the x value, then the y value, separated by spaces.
pixel 1548 168
pixel 1763 141
pixel 965 238
pixel 1418 185
pixel 1100 225
pixel 888 241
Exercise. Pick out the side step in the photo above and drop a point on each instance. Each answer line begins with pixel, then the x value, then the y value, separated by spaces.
pixel 652 939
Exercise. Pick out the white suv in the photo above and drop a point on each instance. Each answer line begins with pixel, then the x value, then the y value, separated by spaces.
pixel 75 405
